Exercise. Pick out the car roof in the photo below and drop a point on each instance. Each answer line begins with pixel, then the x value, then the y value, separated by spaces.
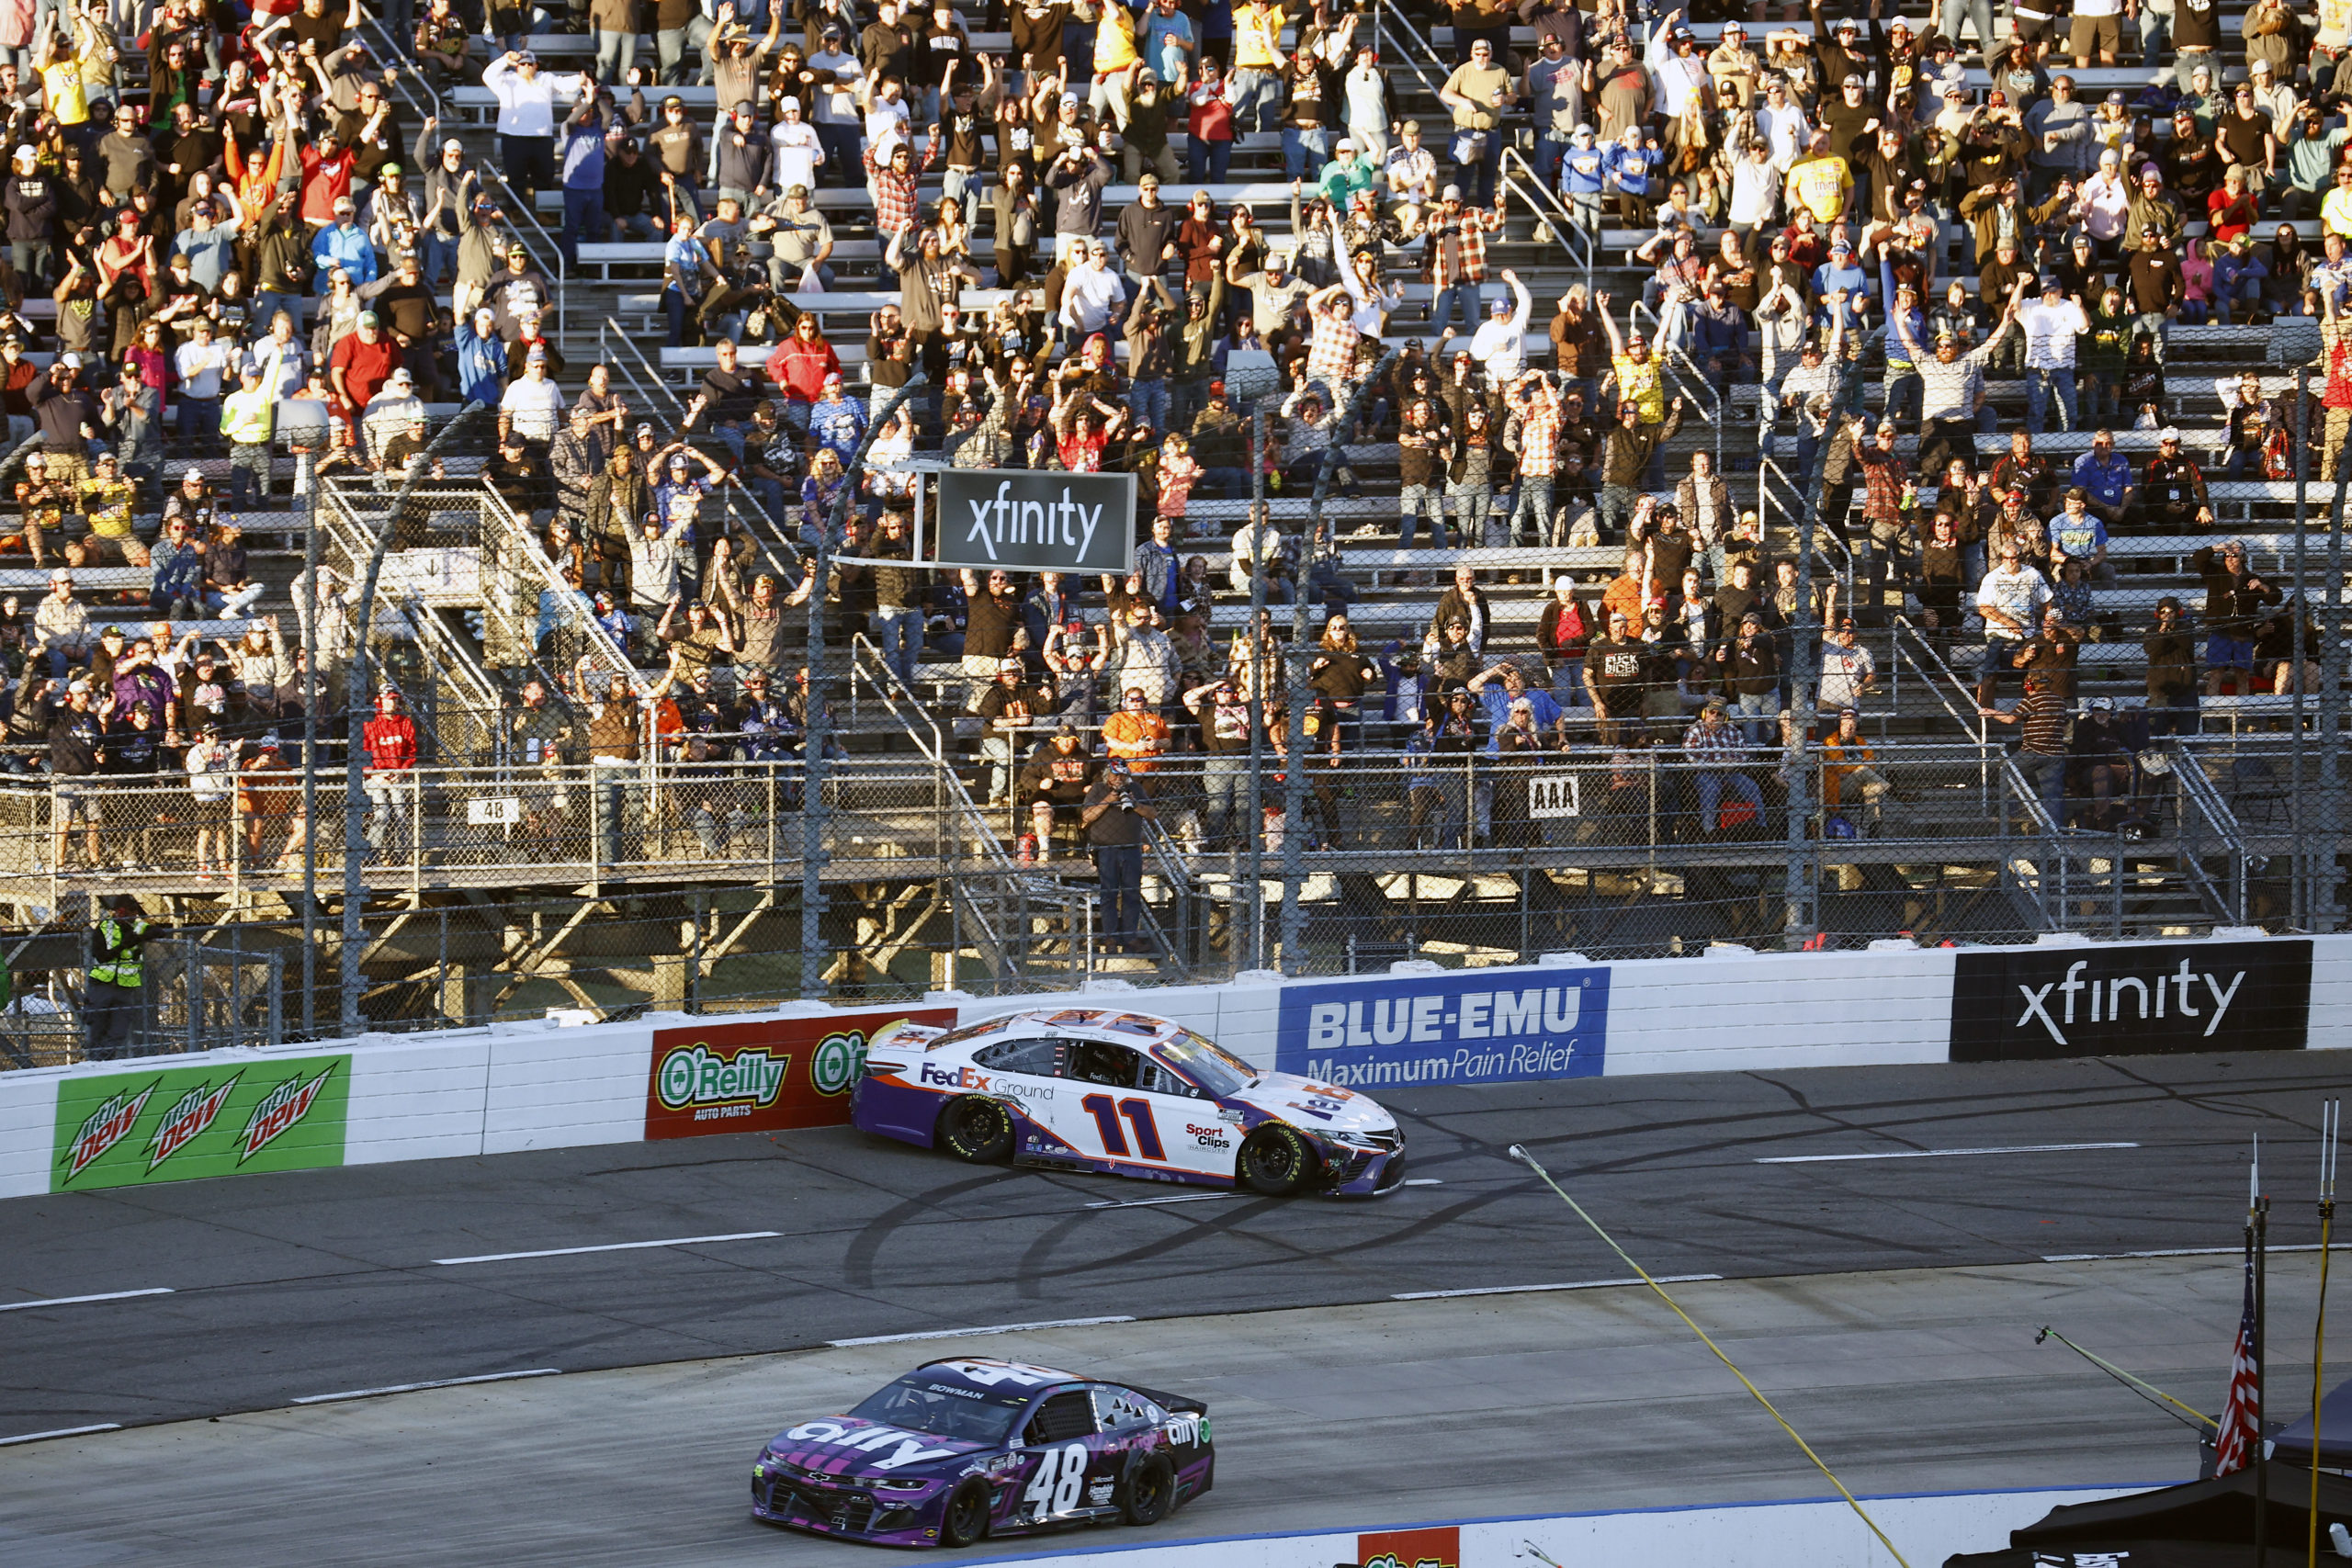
pixel 1000 1376
pixel 1118 1024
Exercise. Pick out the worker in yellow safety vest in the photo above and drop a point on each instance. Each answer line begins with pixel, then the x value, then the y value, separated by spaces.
pixel 117 975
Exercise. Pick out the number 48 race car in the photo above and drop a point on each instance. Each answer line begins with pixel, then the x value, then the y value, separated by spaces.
pixel 1125 1094
pixel 957 1450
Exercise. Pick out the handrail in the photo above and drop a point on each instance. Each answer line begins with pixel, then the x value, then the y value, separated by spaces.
pixel 1573 237
pixel 613 328
pixel 514 203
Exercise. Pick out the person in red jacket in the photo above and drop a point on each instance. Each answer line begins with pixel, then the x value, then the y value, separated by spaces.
pixel 360 365
pixel 799 367
pixel 389 739
pixel 1562 636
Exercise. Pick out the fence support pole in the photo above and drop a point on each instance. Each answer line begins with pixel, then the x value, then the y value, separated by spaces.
pixel 1295 775
pixel 1254 828
pixel 354 882
pixel 812 801
pixel 2307 846
pixel 306 479
pixel 1798 915
pixel 2329 907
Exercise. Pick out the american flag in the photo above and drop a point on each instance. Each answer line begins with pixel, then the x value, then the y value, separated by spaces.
pixel 2234 1445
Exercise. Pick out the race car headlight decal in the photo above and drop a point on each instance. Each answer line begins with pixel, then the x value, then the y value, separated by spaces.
pixel 899 1486
pixel 875 1069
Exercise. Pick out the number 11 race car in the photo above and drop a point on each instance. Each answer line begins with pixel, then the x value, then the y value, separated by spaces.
pixel 958 1449
pixel 1125 1094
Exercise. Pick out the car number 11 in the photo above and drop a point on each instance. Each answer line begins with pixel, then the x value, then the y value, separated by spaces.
pixel 1062 1475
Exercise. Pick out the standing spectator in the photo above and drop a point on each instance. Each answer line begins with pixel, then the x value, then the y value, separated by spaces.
pixel 389 779
pixel 2041 757
pixel 1115 808
pixel 211 781
pixel 1479 94
pixel 116 981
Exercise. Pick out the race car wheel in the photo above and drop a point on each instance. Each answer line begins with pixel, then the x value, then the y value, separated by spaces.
pixel 1276 1161
pixel 966 1518
pixel 1151 1492
pixel 976 1129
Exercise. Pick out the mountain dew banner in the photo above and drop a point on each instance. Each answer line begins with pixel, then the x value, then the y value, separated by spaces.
pixel 178 1123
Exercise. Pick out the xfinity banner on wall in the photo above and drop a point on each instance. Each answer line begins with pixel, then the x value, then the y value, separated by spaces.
pixel 1469 1026
pixel 764 1076
pixel 177 1123
pixel 2028 1003
pixel 1036 520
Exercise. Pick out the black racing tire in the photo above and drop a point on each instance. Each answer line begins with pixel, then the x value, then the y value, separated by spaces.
pixel 975 1131
pixel 1276 1161
pixel 964 1519
pixel 1150 1492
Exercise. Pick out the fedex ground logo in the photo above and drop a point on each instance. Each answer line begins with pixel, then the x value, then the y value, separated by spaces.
pixel 1474 1026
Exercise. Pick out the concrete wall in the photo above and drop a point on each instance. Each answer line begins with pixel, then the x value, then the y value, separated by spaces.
pixel 541 1085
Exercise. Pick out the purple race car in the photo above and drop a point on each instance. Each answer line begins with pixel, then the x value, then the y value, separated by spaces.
pixel 958 1449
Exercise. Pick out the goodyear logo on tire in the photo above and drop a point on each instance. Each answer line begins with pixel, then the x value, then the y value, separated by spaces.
pixel 839 1059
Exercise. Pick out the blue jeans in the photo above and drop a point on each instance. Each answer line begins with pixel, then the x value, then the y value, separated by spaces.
pixel 142 440
pixel 1257 99
pixel 584 219
pixel 1119 870
pixel 1904 391
pixel 1226 780
pixel 1416 502
pixel 1207 160
pixel 1148 401
pixel 841 144
pixel 1461 294
pixel 440 256
pixel 2046 774
pixel 267 304
pixel 1758 715
pixel 200 420
pixel 1712 784
pixel 1977 11
pixel 1550 149
pixel 897 632
pixel 1297 144
pixel 2157 325
pixel 1616 510
pixel 2040 386
pixel 1535 505
pixel 1471 506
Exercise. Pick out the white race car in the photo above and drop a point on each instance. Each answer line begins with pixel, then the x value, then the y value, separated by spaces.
pixel 1126 1094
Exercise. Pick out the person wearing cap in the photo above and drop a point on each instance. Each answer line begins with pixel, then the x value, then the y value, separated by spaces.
pixel 2062 134
pixel 200 364
pixel 2050 324
pixel 343 243
pixel 532 406
pixel 1454 257
pixel 527 99
pixel 361 364
pixel 1480 95
pixel 581 147
pixel 114 995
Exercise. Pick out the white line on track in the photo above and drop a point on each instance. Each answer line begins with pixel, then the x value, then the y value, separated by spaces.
pixel 609 1247
pixel 1423 1181
pixel 2169 1252
pixel 968 1333
pixel 437 1383
pixel 1149 1203
pixel 1518 1290
pixel 1941 1154
pixel 73 1300
pixel 62 1432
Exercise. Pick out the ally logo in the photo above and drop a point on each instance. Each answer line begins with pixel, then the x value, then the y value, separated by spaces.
pixel 280 1110
pixel 699 1077
pixel 192 1114
pixel 104 1128
pixel 838 1060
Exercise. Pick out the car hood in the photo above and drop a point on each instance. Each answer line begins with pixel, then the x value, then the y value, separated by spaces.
pixel 844 1445
pixel 1285 1097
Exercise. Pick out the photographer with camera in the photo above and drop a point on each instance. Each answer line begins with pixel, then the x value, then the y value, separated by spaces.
pixel 1116 807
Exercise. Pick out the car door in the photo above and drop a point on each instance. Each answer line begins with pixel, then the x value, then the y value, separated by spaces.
pixel 1024 1073
pixel 1118 1105
pixel 1059 1444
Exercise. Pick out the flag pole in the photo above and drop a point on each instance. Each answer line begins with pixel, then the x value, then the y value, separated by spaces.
pixel 2331 1113
pixel 2258 1226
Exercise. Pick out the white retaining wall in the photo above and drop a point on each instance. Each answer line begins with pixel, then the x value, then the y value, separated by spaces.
pixel 539 1085
pixel 1815 1534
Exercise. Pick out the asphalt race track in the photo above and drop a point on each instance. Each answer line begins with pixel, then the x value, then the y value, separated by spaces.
pixel 289 1286
pixel 1402 1410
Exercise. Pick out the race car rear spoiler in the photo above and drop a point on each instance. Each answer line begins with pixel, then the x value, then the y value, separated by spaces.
pixel 1173 1400
pixel 906 1034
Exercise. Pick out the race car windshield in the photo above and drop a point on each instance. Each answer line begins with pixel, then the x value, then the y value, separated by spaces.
pixel 920 1404
pixel 1207 1063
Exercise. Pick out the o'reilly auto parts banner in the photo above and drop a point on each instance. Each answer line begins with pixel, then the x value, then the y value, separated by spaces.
pixel 1035 520
pixel 2028 1003
pixel 1469 1026
pixel 766 1075
pixel 177 1123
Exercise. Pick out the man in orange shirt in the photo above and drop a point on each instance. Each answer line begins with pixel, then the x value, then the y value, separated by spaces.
pixel 1136 734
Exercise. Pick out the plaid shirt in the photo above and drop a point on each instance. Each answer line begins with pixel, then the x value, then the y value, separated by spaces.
pixel 1539 434
pixel 897 200
pixel 1718 748
pixel 1886 478
pixel 1332 353
pixel 1469 227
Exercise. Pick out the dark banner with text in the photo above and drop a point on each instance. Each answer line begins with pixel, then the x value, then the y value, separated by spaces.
pixel 1035 520
pixel 2017 1004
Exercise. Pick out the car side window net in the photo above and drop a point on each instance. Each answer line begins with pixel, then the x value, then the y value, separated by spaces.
pixel 1037 1058
pixel 1062 1417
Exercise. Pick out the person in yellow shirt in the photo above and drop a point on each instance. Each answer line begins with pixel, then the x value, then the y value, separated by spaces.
pixel 1115 62
pixel 246 422
pixel 63 84
pixel 1821 181
pixel 109 499
pixel 2335 212
pixel 1257 57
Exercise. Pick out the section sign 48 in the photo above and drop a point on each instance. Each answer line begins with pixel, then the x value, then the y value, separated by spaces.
pixel 178 1123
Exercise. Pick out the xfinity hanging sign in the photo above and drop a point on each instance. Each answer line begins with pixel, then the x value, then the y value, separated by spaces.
pixel 1036 520
pixel 2027 1003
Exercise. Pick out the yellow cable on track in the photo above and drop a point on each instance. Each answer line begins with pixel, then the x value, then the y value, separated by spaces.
pixel 1519 1154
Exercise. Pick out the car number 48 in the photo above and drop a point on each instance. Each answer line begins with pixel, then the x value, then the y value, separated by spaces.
pixel 1062 1475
